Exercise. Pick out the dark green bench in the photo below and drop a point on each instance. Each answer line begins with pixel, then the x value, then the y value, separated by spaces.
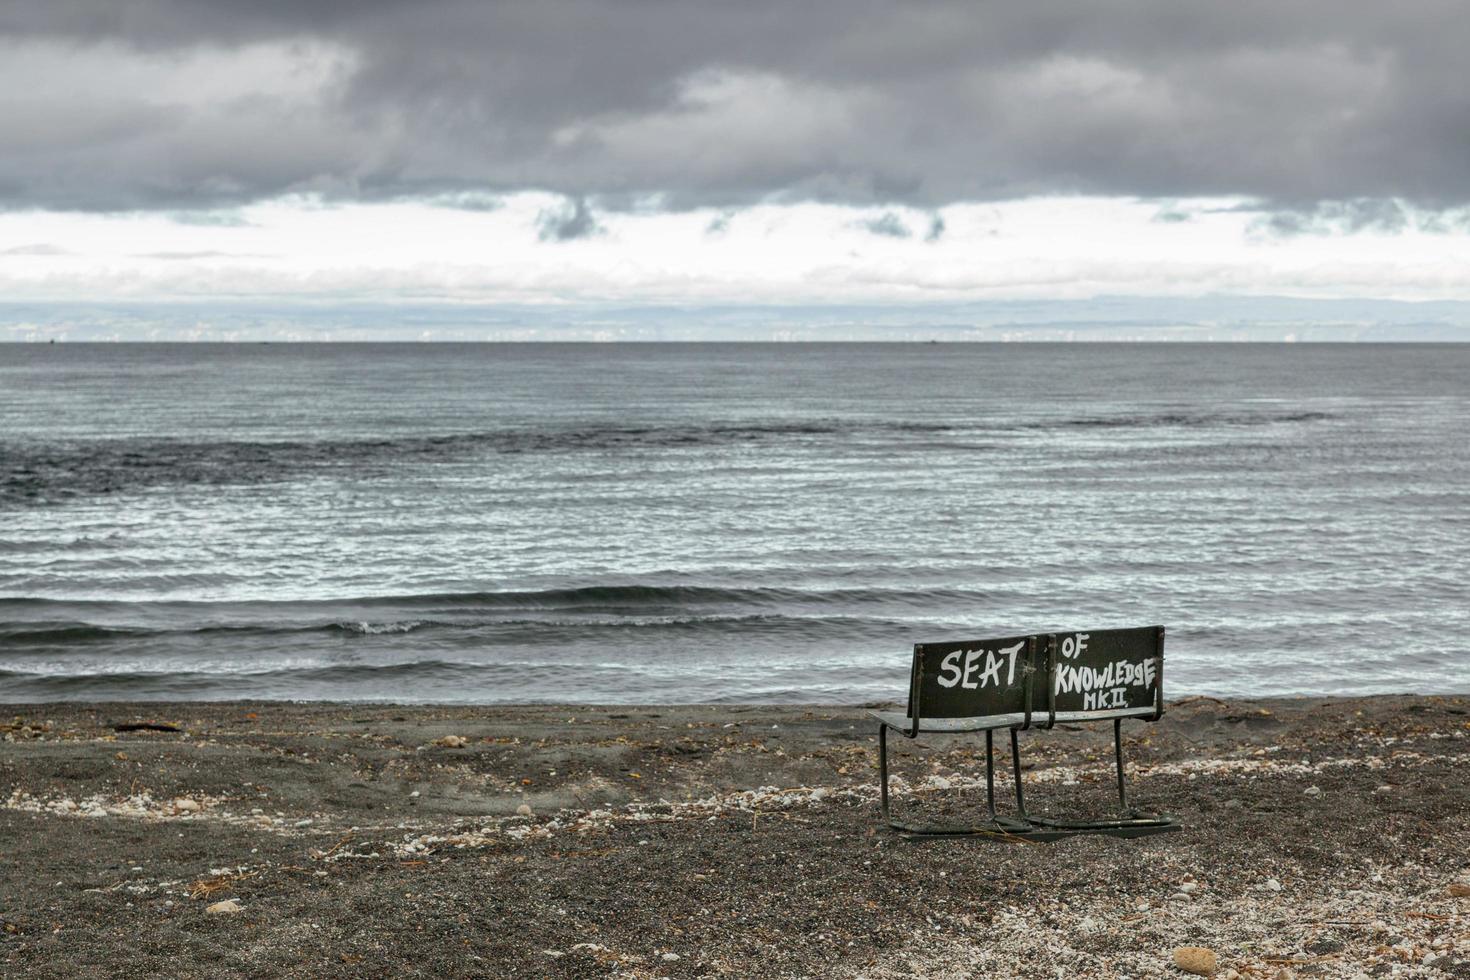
pixel 1032 682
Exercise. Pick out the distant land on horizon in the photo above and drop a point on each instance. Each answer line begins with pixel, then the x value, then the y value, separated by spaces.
pixel 1108 319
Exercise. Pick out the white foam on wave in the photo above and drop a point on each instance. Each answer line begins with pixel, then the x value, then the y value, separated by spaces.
pixel 373 629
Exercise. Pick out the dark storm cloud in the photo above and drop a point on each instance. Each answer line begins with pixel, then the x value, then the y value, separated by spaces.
pixel 568 223
pixel 1362 214
pixel 210 219
pixel 889 225
pixel 705 103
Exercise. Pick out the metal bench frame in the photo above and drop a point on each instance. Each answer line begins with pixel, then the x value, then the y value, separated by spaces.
pixel 1128 822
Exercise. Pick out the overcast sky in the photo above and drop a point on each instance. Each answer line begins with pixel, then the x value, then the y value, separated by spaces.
pixel 689 152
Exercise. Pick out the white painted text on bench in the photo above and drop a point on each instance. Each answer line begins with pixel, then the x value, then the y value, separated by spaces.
pixel 1103 687
pixel 952 674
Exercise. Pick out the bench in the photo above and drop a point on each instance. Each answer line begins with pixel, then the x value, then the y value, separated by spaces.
pixel 1025 682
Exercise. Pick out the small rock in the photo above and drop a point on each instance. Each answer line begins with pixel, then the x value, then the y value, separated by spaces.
pixel 1272 885
pixel 452 742
pixel 1179 897
pixel 555 954
pixel 524 810
pixel 228 907
pixel 185 805
pixel 1383 790
pixel 1312 791
pixel 671 957
pixel 1189 887
pixel 1459 889
pixel 1198 960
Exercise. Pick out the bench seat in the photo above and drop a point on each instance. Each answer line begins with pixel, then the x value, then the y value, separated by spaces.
pixel 899 721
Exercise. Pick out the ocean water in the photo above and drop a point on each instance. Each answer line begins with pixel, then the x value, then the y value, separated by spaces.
pixel 668 523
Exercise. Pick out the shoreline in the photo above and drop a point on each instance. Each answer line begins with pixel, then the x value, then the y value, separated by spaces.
pixel 1321 837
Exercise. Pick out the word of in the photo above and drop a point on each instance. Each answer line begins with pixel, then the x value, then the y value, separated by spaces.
pixel 952 674
pixel 1073 646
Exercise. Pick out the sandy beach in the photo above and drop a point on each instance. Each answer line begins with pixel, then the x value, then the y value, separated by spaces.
pixel 1322 838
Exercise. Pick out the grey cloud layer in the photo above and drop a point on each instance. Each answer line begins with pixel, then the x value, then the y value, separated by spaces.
pixel 724 103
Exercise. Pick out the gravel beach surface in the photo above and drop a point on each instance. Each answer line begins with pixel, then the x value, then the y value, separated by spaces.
pixel 1322 838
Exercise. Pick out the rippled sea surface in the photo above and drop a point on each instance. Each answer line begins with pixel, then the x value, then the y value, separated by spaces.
pixel 668 523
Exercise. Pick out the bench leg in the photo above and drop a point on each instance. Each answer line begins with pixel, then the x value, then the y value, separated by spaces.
pixel 1118 756
pixel 998 826
pixel 1129 823
pixel 1018 824
pixel 990 772
pixel 1016 771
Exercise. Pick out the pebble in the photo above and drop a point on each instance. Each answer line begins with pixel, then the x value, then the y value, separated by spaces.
pixel 1459 889
pixel 524 810
pixel 452 742
pixel 1313 791
pixel 1189 887
pixel 1272 885
pixel 1383 790
pixel 185 805
pixel 671 957
pixel 1198 960
pixel 228 907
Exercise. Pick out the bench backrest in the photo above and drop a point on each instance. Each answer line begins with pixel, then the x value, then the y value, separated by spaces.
pixel 1041 677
